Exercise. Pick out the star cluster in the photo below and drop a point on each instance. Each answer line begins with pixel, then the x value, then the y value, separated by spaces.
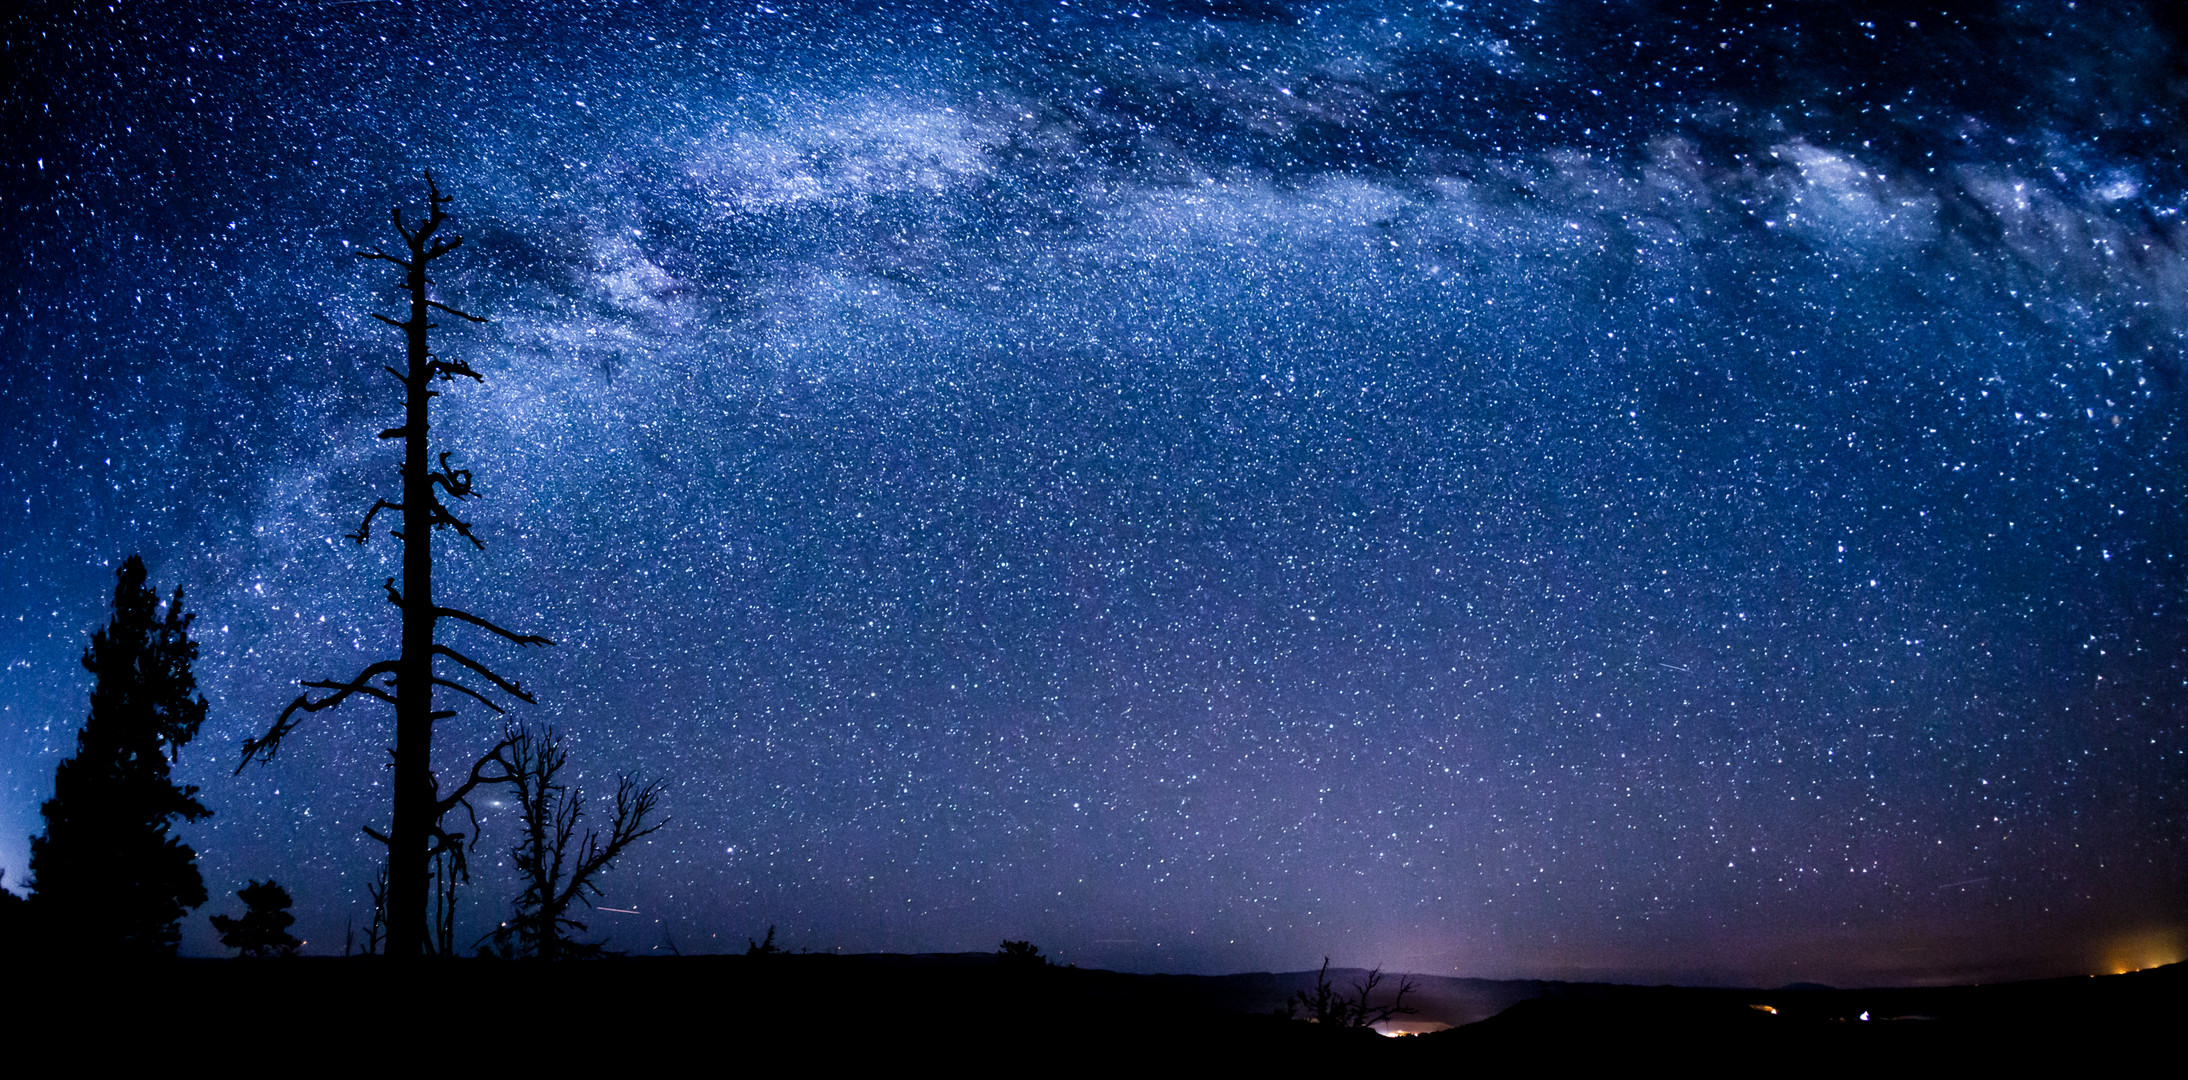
pixel 1540 489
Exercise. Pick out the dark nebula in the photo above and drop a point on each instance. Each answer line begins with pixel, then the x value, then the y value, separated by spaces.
pixel 1608 490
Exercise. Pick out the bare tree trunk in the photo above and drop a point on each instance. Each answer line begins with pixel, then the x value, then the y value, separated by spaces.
pixel 416 836
pixel 409 839
pixel 376 936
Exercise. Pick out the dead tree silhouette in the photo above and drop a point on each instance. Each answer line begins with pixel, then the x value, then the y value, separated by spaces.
pixel 1329 1007
pixel 417 836
pixel 557 868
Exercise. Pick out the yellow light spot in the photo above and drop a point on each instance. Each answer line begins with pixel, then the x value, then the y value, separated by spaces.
pixel 2141 951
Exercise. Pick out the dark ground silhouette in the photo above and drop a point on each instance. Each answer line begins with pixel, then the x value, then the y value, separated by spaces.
pixel 975 1011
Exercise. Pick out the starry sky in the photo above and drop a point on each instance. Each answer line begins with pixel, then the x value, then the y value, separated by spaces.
pixel 1539 489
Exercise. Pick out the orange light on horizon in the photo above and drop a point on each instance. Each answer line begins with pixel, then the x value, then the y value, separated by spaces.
pixel 2140 952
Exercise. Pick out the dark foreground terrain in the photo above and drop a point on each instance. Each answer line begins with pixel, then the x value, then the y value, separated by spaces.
pixel 734 1010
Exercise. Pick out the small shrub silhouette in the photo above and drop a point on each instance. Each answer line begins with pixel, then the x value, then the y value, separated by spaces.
pixel 763 948
pixel 1021 956
pixel 264 928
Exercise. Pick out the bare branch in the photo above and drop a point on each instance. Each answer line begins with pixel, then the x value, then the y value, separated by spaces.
pixel 263 747
pixel 439 517
pixel 465 616
pixel 457 482
pixel 558 866
pixel 394 596
pixel 390 322
pixel 461 688
pixel 443 840
pixel 434 198
pixel 377 835
pixel 479 776
pixel 471 812
pixel 514 689
pixel 449 369
pixel 376 253
pixel 451 844
pixel 634 803
pixel 364 528
pixel 368 691
pixel 453 311
pixel 1365 1015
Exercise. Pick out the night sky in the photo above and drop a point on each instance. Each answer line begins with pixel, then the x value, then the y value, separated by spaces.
pixel 1587 490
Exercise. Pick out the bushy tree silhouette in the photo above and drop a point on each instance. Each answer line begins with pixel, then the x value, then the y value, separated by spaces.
pixel 110 879
pixel 264 928
pixel 558 870
pixel 1020 956
pixel 417 835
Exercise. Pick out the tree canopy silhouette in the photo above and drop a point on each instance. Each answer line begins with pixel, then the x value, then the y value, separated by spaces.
pixel 417 834
pixel 110 879
pixel 264 928
pixel 1020 956
pixel 14 922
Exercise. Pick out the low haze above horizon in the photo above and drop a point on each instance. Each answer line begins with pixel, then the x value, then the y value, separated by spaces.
pixel 1628 491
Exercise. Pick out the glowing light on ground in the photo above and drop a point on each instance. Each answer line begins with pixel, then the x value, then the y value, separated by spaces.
pixel 2140 952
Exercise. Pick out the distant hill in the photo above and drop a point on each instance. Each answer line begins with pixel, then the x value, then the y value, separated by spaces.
pixel 1819 1026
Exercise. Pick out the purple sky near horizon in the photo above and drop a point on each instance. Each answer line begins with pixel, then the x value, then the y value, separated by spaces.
pixel 1586 490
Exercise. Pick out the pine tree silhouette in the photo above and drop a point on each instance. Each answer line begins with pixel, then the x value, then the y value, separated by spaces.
pixel 14 919
pixel 264 928
pixel 110 879
pixel 416 835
